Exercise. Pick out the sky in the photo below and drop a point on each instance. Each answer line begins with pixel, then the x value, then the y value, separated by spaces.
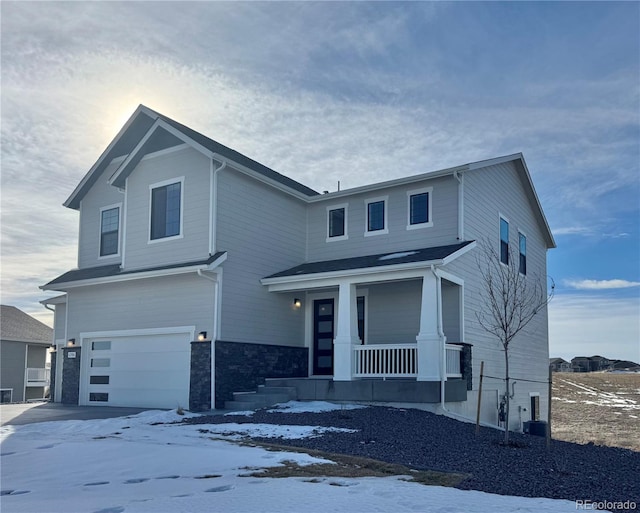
pixel 143 463
pixel 351 92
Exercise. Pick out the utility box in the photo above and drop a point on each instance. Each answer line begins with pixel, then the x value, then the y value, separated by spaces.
pixel 535 427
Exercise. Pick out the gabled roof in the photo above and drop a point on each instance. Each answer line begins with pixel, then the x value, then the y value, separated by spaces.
pixel 438 255
pixel 135 136
pixel 113 272
pixel 18 326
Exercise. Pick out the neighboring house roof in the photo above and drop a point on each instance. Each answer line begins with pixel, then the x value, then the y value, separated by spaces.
pixel 136 129
pixel 439 253
pixel 18 326
pixel 557 360
pixel 114 271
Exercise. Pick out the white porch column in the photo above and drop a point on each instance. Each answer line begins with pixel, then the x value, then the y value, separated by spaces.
pixel 430 343
pixel 346 332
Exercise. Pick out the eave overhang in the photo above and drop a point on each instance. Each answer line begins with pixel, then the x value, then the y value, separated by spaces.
pixel 114 274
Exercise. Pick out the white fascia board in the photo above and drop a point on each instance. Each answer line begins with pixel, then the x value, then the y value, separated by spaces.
pixel 457 254
pixel 57 300
pixel 159 123
pixel 260 177
pixel 141 109
pixel 138 332
pixel 495 161
pixel 390 183
pixel 364 275
pixel 134 276
pixel 216 263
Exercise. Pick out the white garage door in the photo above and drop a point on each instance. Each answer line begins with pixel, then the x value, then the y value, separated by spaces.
pixel 146 371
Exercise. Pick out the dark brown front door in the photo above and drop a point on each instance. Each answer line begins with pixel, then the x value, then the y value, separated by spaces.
pixel 323 316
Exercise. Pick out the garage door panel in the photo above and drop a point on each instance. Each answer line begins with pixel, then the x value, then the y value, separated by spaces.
pixel 149 371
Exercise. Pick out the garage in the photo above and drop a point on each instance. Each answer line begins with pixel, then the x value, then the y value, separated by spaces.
pixel 148 370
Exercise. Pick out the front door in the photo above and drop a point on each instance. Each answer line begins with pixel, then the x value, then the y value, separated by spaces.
pixel 323 336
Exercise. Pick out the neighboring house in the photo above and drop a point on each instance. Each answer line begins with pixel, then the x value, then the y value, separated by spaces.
pixel 591 363
pixel 371 291
pixel 559 365
pixel 24 346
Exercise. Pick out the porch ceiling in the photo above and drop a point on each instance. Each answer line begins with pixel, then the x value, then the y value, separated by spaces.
pixel 396 262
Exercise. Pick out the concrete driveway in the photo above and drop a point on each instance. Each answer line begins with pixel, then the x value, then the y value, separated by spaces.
pixel 28 413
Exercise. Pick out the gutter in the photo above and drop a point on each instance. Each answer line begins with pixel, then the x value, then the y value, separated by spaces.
pixel 460 179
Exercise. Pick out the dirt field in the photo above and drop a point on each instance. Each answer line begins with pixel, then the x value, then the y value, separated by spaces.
pixel 598 407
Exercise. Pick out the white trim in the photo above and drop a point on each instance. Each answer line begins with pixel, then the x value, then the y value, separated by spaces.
pixel 211 206
pixel 140 275
pixel 414 192
pixel 102 209
pixel 344 206
pixel 166 151
pixel 385 229
pixel 157 185
pixel 8 390
pixel 125 209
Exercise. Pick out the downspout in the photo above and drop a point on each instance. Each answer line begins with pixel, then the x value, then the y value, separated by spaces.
pixel 213 205
pixel 215 333
pixel 460 204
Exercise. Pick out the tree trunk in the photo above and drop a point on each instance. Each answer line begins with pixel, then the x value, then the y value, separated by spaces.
pixel 506 373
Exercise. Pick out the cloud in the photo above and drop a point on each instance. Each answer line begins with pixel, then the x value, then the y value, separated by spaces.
pixel 594 324
pixel 600 284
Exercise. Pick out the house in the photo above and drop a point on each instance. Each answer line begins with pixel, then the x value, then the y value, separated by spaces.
pixel 590 363
pixel 559 365
pixel 201 272
pixel 24 347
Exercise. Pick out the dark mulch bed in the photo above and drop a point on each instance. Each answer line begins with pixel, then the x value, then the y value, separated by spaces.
pixel 426 441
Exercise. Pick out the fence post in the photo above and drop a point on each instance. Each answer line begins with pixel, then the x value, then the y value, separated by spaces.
pixel 479 398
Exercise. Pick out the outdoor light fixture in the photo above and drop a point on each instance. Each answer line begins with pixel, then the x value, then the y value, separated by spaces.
pixel 297 303
pixel 202 336
pixel 71 342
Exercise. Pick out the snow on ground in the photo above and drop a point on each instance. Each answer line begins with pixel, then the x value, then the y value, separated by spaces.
pixel 610 399
pixel 142 464
pixel 303 407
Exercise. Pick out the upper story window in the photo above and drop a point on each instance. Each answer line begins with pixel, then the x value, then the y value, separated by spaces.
pixel 109 230
pixel 337 223
pixel 376 216
pixel 419 211
pixel 504 241
pixel 522 245
pixel 166 209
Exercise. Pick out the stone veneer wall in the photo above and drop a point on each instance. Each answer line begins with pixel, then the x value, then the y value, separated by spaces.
pixel 71 375
pixel 241 367
pixel 465 365
pixel 200 382
pixel 52 376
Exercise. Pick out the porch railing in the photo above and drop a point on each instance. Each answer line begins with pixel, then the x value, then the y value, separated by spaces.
pixel 398 361
pixel 38 376
pixel 453 360
pixel 386 360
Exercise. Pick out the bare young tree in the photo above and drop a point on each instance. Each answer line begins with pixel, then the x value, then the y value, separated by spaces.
pixel 513 298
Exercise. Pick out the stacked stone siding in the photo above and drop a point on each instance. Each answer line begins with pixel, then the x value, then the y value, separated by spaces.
pixel 241 367
pixel 71 375
pixel 200 383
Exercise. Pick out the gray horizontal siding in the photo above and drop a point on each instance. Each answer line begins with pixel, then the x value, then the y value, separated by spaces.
pixel 12 358
pixel 443 231
pixel 59 322
pixel 182 300
pixel 393 312
pixel 194 244
pixel 263 232
pixel 489 193
pixel 100 195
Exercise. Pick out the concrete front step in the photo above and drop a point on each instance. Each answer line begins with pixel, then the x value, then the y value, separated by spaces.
pixel 290 391
pixel 255 400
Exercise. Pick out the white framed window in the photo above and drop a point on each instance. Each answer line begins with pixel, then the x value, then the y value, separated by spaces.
pixel 419 208
pixel 522 250
pixel 337 222
pixel 110 223
pixel 504 240
pixel 166 207
pixel 376 216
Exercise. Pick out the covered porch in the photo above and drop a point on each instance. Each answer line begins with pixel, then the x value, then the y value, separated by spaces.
pixel 391 317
